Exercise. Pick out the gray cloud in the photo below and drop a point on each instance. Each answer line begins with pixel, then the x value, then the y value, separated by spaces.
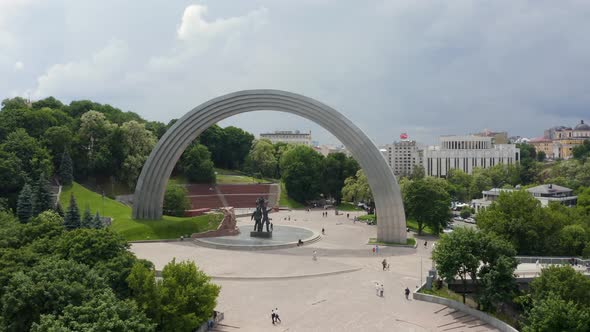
pixel 423 67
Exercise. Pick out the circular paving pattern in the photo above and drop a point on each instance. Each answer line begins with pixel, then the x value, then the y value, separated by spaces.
pixel 282 237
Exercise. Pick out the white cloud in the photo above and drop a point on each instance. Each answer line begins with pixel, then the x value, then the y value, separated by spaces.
pixel 18 66
pixel 193 25
pixel 87 77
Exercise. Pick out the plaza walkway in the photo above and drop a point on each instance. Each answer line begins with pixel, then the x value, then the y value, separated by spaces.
pixel 335 293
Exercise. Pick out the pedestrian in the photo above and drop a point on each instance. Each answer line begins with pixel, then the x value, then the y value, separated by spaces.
pixel 425 244
pixel 277 318
pixel 323 231
pixel 273 316
pixel 315 255
pixel 348 216
pixel 377 288
pixel 377 249
pixel 289 218
pixel 381 289
pixel 407 291
pixel 384 264
pixel 373 250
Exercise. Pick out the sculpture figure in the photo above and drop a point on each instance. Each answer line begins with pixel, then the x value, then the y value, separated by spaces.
pixel 260 216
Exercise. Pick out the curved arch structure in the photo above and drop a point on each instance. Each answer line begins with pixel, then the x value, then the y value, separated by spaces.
pixel 149 192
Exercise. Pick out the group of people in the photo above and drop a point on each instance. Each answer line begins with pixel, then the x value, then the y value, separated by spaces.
pixel 325 214
pixel 275 316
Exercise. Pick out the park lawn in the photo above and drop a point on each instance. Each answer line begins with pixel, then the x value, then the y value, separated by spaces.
pixel 409 242
pixel 347 206
pixel 134 230
pixel 286 201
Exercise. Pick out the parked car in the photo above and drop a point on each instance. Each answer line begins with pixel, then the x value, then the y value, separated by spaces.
pixel 458 218
pixel 470 220
pixel 447 230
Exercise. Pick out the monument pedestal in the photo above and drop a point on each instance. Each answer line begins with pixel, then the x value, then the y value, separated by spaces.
pixel 266 235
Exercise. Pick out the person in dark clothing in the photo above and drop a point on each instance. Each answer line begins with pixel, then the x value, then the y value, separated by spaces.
pixel 273 316
pixel 407 291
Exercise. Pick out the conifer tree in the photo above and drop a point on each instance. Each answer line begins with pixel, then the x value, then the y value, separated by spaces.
pixel 87 219
pixel 24 205
pixel 96 222
pixel 66 169
pixel 72 218
pixel 42 198
pixel 59 209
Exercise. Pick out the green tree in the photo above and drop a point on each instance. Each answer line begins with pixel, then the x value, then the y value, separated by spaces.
pixel 72 218
pixel 14 103
pixel 541 156
pixel 237 144
pixel 175 200
pixel 573 239
pixel 138 143
pixel 24 207
pixel 66 169
pixel 301 170
pixel 96 221
pixel 91 246
pixel 102 313
pixel 563 281
pixel 181 301
pixel 427 202
pixel 555 314
pixel 465 212
pixel 519 218
pixel 581 152
pixel 261 159
pixel 480 181
pixel 42 197
pixel 86 221
pixel 418 172
pixel 11 176
pixel 457 254
pixel 214 139
pixel 49 102
pixel 336 169
pixel 196 164
pixel 356 188
pixel 34 158
pixel 459 185
pixel 47 288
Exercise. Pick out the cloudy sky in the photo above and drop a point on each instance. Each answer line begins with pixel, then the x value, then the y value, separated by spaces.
pixel 423 67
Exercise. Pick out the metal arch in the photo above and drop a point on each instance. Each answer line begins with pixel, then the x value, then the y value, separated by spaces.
pixel 149 192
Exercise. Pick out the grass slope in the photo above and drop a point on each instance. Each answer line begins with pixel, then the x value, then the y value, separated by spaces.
pixel 347 206
pixel 133 230
pixel 286 201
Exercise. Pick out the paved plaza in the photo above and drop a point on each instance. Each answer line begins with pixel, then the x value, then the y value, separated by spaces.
pixel 335 293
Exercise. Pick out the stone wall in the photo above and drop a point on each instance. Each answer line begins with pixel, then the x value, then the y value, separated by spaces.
pixel 484 317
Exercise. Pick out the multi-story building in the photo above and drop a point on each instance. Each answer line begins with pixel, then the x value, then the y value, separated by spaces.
pixel 289 137
pixel 545 145
pixel 402 156
pixel 500 137
pixel 563 140
pixel 326 150
pixel 466 153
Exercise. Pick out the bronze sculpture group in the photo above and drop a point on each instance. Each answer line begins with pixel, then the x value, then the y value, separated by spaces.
pixel 260 216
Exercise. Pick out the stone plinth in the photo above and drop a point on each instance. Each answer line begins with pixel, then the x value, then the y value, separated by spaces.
pixel 226 227
pixel 266 235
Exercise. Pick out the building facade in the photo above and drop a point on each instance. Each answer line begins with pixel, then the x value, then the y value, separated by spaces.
pixel 545 194
pixel 289 137
pixel 402 156
pixel 466 153
pixel 563 140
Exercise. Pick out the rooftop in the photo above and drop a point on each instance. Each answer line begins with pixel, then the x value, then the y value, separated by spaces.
pixel 548 189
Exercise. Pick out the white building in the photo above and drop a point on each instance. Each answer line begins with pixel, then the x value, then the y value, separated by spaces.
pixel 289 137
pixel 326 150
pixel 466 153
pixel 402 156
pixel 545 194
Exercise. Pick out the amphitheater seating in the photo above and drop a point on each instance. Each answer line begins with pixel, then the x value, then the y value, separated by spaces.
pixel 238 196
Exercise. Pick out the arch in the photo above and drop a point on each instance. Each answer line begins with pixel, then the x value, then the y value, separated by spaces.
pixel 150 188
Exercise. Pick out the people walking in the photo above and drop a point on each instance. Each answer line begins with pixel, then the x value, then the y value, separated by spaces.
pixel 377 249
pixel 377 288
pixel 407 291
pixel 315 255
pixel 381 289
pixel 323 231
pixel 273 316
pixel 277 318
pixel 425 244
pixel 384 263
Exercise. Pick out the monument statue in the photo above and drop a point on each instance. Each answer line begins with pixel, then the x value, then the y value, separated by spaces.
pixel 260 217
